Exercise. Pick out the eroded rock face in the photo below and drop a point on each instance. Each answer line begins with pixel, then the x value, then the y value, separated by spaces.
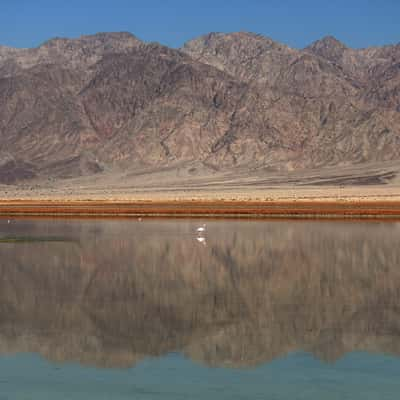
pixel 78 53
pixel 116 291
pixel 326 104
pixel 224 100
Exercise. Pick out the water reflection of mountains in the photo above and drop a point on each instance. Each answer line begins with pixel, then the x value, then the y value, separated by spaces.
pixel 257 291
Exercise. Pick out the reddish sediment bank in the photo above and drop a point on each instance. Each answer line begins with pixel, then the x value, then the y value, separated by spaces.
pixel 283 209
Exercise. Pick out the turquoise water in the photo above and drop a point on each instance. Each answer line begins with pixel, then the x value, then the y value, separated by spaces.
pixel 298 376
pixel 126 309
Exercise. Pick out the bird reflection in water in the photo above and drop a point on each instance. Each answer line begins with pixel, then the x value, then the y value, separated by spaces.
pixel 202 240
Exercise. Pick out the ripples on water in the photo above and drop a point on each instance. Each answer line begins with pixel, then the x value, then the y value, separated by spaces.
pixel 127 309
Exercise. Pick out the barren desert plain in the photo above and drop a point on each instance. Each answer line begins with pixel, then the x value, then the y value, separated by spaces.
pixel 369 191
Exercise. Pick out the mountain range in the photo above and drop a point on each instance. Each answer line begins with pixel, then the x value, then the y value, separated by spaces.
pixel 111 104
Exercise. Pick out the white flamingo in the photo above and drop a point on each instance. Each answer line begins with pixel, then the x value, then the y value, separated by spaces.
pixel 201 229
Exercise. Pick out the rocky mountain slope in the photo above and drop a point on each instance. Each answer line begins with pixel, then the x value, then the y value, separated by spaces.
pixel 110 103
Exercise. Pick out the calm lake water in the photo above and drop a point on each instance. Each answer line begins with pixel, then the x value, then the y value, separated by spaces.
pixel 128 309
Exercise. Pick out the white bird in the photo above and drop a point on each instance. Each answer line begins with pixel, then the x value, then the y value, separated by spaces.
pixel 8 222
pixel 201 229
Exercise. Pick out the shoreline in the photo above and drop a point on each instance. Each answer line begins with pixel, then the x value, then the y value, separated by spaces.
pixel 282 209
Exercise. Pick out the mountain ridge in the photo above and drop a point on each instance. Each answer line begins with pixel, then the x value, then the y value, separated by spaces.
pixel 109 101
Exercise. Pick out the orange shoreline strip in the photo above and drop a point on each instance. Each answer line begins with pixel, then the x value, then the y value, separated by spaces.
pixel 284 209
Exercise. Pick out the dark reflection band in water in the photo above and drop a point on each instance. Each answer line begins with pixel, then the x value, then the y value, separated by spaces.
pixel 250 292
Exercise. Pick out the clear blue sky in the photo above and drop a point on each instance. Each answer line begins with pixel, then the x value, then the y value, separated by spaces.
pixel 358 23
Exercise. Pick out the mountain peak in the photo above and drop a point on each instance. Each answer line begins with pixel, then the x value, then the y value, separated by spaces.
pixel 102 38
pixel 214 39
pixel 328 47
pixel 330 41
pixel 77 53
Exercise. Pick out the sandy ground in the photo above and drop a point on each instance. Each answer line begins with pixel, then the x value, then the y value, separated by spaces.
pixel 355 187
pixel 253 193
pixel 272 194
